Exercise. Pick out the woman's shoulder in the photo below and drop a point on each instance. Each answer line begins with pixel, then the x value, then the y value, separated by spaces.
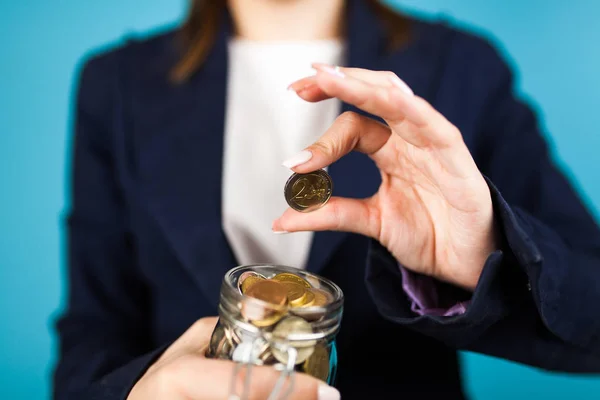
pixel 140 53
pixel 454 45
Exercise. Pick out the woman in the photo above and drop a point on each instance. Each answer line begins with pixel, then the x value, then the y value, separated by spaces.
pixel 451 229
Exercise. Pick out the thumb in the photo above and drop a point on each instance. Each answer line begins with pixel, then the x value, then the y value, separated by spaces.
pixel 339 214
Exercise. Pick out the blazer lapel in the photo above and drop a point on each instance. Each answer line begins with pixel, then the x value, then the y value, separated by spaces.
pixel 355 175
pixel 180 157
pixel 181 170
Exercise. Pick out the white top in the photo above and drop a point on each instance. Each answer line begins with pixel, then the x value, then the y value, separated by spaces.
pixel 265 124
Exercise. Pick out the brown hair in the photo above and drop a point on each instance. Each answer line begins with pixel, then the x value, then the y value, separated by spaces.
pixel 199 32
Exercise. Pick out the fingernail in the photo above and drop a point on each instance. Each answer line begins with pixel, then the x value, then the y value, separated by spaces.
pixel 293 87
pixel 298 159
pixel 333 70
pixel 280 232
pixel 327 392
pixel 400 84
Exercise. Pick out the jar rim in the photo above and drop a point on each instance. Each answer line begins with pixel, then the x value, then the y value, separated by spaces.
pixel 338 295
pixel 332 311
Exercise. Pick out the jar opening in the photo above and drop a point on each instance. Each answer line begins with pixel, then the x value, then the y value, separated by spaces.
pixel 252 314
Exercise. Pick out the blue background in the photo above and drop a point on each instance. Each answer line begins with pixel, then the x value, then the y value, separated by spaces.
pixel 553 45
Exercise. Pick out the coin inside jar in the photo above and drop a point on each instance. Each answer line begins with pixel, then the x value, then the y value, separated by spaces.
pixel 295 293
pixel 293 326
pixel 247 279
pixel 314 298
pixel 262 315
pixel 317 364
pixel 289 277
pixel 322 298
pixel 308 192
pixel 268 291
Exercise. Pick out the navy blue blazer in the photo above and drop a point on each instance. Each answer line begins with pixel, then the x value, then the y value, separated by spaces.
pixel 147 252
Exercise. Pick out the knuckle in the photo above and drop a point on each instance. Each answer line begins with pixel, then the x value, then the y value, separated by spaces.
pixel 349 117
pixel 200 324
pixel 203 325
pixel 454 135
pixel 389 74
pixel 337 216
pixel 383 93
pixel 165 380
pixel 325 146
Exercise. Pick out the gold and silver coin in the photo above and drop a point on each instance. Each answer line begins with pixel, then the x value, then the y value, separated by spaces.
pixel 282 290
pixel 290 326
pixel 308 192
pixel 247 279
pixel 270 292
pixel 284 306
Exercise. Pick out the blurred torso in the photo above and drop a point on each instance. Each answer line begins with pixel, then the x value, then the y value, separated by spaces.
pixel 169 147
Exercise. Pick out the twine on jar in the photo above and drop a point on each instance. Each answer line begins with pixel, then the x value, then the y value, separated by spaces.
pixel 245 359
pixel 287 371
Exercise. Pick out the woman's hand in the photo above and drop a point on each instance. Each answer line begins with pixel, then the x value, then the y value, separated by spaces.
pixel 433 210
pixel 183 372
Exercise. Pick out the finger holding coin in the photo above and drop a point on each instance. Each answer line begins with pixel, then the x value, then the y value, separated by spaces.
pixel 337 213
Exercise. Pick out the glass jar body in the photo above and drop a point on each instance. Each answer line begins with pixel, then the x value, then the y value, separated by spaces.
pixel 308 344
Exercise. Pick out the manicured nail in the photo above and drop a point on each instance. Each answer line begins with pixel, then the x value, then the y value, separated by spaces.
pixel 400 84
pixel 333 70
pixel 298 159
pixel 280 232
pixel 327 392
pixel 293 87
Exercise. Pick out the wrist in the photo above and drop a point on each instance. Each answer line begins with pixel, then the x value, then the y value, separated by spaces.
pixel 466 270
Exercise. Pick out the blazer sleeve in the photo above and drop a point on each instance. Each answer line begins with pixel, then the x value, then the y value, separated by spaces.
pixel 537 300
pixel 104 346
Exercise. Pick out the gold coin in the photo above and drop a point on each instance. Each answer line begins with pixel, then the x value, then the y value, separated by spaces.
pixel 291 326
pixel 269 291
pixel 262 315
pixel 317 364
pixel 322 298
pixel 314 298
pixel 266 319
pixel 289 277
pixel 247 279
pixel 308 192
pixel 296 293
pixel 259 315
pixel 309 299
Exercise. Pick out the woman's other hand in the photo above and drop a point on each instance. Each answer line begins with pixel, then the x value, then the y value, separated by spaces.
pixel 183 372
pixel 433 210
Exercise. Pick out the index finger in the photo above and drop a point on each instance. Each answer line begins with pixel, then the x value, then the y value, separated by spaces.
pixel 427 126
pixel 308 89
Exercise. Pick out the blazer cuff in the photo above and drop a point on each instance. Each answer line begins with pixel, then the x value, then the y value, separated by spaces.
pixel 486 305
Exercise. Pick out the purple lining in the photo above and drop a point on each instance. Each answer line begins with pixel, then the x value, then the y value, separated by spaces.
pixel 422 292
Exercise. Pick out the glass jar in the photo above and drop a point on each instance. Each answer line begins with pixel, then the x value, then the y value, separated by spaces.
pixel 278 333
